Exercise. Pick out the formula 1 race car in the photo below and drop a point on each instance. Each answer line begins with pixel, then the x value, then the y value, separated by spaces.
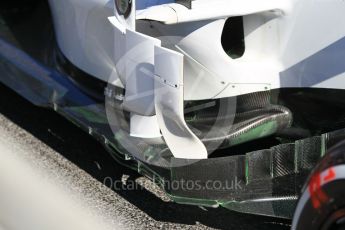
pixel 238 103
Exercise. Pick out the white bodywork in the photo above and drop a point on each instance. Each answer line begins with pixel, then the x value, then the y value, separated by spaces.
pixel 173 13
pixel 284 41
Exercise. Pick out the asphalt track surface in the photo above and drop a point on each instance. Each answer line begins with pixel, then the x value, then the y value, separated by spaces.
pixel 71 158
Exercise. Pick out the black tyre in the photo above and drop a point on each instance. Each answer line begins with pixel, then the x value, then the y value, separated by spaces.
pixel 322 204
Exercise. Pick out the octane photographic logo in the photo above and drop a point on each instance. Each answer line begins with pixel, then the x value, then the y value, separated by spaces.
pixel 207 119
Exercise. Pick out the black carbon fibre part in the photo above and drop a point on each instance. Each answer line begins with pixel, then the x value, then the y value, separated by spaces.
pixel 277 172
